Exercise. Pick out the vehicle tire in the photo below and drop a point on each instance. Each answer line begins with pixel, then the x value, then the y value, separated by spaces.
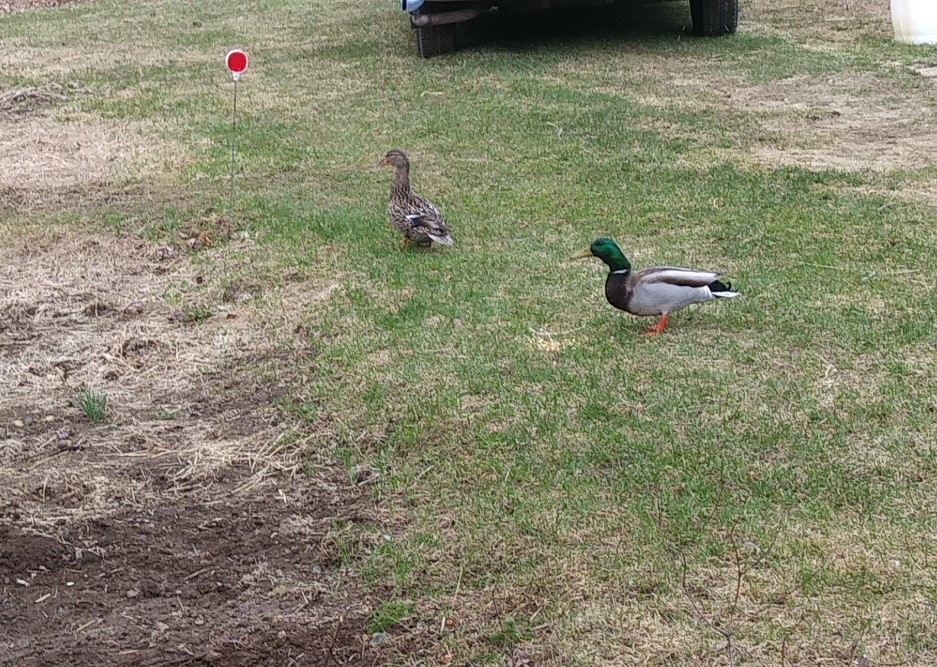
pixel 434 40
pixel 714 17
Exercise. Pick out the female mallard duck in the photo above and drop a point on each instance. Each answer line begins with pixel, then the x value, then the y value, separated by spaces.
pixel 414 216
pixel 658 291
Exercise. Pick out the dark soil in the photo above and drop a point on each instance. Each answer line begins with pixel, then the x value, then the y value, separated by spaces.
pixel 172 532
pixel 188 583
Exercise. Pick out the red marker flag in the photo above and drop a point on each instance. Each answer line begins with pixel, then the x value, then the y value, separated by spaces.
pixel 236 62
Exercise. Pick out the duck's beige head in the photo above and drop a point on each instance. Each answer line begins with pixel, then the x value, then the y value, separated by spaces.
pixel 395 158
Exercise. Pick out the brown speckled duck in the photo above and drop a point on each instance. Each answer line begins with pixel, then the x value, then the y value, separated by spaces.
pixel 657 291
pixel 412 215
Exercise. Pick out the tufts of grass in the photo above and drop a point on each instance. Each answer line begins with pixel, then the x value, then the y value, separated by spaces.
pixel 194 314
pixel 93 404
pixel 307 411
pixel 389 614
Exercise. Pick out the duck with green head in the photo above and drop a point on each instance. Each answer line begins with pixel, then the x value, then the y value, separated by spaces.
pixel 657 291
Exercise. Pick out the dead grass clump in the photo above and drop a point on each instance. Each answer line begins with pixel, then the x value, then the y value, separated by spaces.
pixel 23 101
pixel 16 6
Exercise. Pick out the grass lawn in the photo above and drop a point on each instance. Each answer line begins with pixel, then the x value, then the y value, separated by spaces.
pixel 755 486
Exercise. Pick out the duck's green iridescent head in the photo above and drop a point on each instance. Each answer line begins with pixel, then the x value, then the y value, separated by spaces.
pixel 609 252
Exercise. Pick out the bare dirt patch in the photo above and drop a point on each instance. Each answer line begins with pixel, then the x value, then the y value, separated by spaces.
pixel 167 533
pixel 187 582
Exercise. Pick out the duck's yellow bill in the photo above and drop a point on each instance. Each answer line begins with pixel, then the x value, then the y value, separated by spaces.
pixel 383 162
pixel 582 255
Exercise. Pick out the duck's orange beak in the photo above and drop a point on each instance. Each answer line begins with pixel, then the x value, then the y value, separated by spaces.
pixel 582 255
pixel 383 162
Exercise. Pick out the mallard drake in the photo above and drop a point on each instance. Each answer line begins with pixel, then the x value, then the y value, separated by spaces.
pixel 414 216
pixel 657 291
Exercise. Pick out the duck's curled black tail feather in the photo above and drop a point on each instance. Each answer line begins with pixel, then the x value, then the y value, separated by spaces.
pixel 721 290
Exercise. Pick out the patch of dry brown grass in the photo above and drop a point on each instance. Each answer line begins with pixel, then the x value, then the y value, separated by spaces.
pixel 15 6
pixel 52 155
pixel 647 615
pixel 823 24
pixel 195 453
pixel 40 154
pixel 848 122
pixel 680 615
pixel 186 401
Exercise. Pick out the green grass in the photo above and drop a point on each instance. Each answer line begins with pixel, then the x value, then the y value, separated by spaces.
pixel 545 471
pixel 93 404
pixel 194 314
pixel 388 615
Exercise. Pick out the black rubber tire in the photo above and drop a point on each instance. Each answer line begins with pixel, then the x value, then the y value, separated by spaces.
pixel 434 40
pixel 712 18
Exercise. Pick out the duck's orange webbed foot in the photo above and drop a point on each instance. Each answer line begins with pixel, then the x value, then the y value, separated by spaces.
pixel 653 331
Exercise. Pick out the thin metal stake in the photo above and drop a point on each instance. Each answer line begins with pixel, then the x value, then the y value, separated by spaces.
pixel 234 124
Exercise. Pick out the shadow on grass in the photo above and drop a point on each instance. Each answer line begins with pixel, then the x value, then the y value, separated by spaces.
pixel 531 31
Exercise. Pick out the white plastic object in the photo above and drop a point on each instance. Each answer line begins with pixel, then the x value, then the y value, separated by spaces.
pixel 915 21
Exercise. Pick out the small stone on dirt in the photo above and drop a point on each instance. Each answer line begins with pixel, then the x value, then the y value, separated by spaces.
pixel 378 639
pixel 165 253
pixel 519 659
pixel 361 473
pixel 149 588
pixel 18 423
